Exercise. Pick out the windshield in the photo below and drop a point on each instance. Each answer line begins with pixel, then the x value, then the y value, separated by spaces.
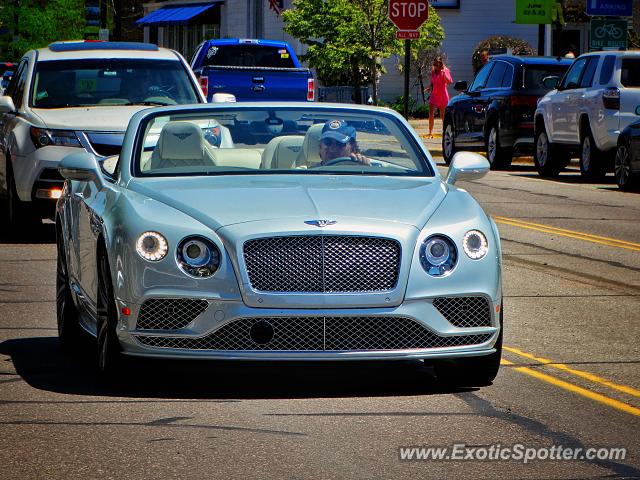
pixel 535 74
pixel 249 56
pixel 268 140
pixel 123 81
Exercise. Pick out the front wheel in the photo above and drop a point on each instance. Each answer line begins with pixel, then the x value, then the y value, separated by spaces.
pixel 109 357
pixel 69 331
pixel 592 167
pixel 622 167
pixel 448 142
pixel 549 160
pixel 21 216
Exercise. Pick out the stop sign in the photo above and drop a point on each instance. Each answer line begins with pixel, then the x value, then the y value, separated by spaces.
pixel 408 14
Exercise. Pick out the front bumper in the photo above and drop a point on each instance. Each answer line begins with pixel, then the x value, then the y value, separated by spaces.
pixel 413 330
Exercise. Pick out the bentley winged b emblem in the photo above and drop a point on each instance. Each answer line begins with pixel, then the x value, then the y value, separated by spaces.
pixel 321 223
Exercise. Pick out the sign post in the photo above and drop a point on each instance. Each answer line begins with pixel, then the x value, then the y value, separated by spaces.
pixel 408 16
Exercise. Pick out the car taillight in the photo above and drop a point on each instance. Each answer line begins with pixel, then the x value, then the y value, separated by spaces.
pixel 204 85
pixel 611 98
pixel 311 91
pixel 524 101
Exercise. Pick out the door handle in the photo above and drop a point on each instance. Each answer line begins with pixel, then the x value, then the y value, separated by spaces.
pixel 258 88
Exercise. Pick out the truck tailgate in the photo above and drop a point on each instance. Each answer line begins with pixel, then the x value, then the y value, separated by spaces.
pixel 256 84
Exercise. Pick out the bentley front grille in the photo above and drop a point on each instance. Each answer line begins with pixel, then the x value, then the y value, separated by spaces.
pixel 169 313
pixel 322 264
pixel 465 311
pixel 316 334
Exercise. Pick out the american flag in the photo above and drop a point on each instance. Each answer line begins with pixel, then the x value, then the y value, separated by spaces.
pixel 276 6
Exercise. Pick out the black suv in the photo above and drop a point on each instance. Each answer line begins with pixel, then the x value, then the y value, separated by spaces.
pixel 496 112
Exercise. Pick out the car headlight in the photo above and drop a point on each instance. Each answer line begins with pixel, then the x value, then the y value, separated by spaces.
pixel 152 246
pixel 438 255
pixel 475 244
pixel 198 256
pixel 42 137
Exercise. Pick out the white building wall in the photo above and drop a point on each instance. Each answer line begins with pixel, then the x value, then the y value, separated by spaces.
pixel 464 28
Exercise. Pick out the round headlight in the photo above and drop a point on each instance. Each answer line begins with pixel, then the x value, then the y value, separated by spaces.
pixel 438 255
pixel 198 256
pixel 152 246
pixel 475 244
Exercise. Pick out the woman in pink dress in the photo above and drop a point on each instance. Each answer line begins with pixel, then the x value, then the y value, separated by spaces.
pixel 439 97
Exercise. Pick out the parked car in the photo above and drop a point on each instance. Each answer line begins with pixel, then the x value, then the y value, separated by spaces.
pixel 252 70
pixel 627 159
pixel 495 113
pixel 6 72
pixel 275 250
pixel 595 100
pixel 77 95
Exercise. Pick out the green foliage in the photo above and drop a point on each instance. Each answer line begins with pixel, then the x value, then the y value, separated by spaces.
pixel 38 24
pixel 398 104
pixel 517 46
pixel 348 39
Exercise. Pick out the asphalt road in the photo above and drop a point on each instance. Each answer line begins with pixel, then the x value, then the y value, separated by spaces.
pixel 570 376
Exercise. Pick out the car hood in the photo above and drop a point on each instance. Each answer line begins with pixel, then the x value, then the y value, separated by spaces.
pixel 227 200
pixel 101 119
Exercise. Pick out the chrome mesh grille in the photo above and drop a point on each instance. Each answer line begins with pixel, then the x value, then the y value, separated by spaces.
pixel 465 311
pixel 169 313
pixel 322 264
pixel 320 333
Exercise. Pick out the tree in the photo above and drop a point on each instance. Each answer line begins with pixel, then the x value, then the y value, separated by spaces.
pixel 35 24
pixel 347 39
pixel 517 46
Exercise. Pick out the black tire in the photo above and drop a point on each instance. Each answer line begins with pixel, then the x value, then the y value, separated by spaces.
pixel 622 168
pixel 548 157
pixel 109 356
pixel 21 218
pixel 592 160
pixel 448 141
pixel 472 371
pixel 70 333
pixel 498 156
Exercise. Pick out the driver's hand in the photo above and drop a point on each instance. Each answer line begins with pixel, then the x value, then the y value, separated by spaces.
pixel 358 157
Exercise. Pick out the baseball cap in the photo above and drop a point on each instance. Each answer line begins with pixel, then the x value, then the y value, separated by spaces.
pixel 338 130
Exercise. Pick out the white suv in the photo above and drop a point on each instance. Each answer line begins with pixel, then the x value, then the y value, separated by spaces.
pixel 595 100
pixel 74 95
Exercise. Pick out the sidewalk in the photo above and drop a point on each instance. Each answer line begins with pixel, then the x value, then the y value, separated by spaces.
pixel 433 144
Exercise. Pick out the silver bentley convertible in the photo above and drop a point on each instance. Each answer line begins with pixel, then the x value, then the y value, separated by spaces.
pixel 278 232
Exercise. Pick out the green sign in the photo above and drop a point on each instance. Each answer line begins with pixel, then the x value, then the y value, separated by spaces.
pixel 533 11
pixel 605 34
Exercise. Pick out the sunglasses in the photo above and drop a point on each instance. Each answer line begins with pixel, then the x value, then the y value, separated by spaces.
pixel 329 142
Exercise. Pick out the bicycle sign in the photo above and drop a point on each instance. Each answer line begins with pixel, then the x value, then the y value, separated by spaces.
pixel 608 34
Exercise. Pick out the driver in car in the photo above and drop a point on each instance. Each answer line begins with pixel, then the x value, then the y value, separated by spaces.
pixel 338 143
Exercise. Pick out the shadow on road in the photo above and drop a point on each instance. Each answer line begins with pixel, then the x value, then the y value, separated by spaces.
pixel 45 233
pixel 40 363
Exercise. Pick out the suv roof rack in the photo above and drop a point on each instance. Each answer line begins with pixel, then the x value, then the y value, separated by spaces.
pixel 99 45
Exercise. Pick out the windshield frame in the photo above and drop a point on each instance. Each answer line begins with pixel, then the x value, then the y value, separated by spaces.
pixel 421 152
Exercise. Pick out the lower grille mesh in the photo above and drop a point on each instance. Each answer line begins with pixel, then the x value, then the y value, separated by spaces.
pixel 320 333
pixel 465 311
pixel 169 313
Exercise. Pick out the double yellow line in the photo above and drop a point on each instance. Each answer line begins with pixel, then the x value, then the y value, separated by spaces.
pixel 611 402
pixel 612 242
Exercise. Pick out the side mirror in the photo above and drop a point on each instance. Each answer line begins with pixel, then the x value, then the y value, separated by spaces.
pixel 81 166
pixel 6 104
pixel 461 86
pixel 551 82
pixel 638 110
pixel 467 166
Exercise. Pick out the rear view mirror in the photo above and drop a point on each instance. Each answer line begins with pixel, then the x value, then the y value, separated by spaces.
pixel 551 82
pixel 6 105
pixel 460 86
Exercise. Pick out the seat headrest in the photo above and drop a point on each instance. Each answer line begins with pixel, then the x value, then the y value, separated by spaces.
pixel 180 141
pixel 310 153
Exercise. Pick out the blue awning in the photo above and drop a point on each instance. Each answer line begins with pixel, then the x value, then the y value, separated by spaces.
pixel 176 14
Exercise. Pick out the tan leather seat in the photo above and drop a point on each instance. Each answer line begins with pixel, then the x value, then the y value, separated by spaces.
pixel 309 156
pixel 281 152
pixel 181 144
